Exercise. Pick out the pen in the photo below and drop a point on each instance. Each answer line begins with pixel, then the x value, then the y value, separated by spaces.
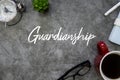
pixel 112 9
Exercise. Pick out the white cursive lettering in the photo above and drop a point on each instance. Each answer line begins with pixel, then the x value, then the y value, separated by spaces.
pixel 34 36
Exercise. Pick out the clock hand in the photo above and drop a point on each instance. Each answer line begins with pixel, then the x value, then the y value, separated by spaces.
pixel 6 10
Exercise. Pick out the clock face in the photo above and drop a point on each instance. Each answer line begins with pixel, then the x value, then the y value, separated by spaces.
pixel 7 10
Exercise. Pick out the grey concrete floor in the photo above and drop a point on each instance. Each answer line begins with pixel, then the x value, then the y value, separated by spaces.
pixel 48 60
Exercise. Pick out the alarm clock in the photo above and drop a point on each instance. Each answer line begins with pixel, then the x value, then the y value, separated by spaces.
pixel 8 10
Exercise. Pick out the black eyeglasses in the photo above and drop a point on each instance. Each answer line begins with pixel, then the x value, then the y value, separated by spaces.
pixel 78 70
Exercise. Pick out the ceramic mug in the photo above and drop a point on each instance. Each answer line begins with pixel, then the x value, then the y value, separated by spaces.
pixel 107 62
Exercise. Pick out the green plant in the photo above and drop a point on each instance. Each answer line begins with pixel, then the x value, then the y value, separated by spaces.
pixel 40 5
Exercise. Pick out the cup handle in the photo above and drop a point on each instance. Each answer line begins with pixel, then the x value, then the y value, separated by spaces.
pixel 102 48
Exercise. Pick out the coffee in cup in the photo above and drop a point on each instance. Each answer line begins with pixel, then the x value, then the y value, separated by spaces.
pixel 110 65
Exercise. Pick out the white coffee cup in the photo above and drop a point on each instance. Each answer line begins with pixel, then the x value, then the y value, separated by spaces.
pixel 101 62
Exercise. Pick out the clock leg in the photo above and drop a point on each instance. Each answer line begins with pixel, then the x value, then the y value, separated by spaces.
pixel 5 24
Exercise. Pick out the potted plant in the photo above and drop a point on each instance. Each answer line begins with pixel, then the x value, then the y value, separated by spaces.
pixel 40 5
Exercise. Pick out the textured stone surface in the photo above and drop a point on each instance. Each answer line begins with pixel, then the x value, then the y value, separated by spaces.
pixel 48 60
